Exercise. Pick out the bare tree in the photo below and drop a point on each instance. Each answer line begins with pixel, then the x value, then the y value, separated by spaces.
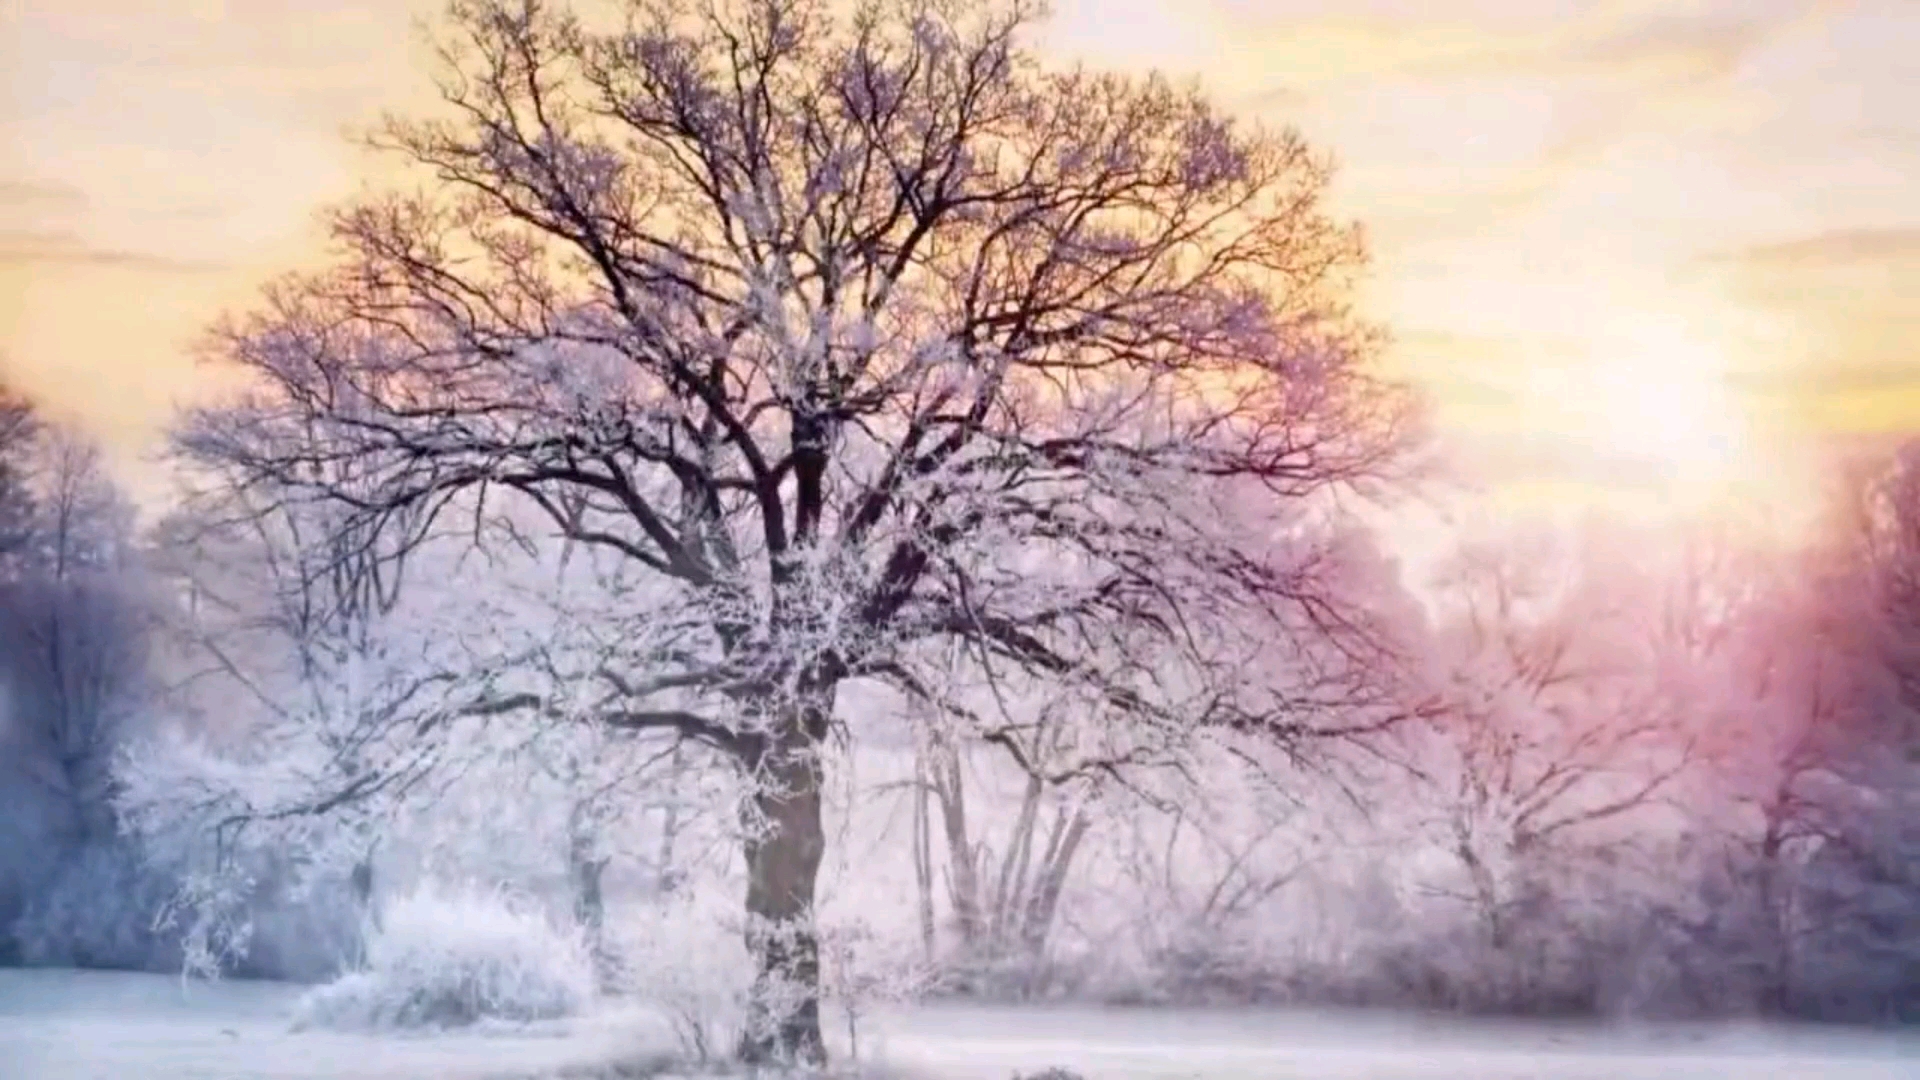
pixel 861 337
pixel 1203 869
pixel 1822 760
pixel 1004 901
pixel 21 433
pixel 75 621
pixel 74 630
pixel 1561 712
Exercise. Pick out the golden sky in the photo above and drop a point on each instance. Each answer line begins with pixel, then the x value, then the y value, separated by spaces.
pixel 1617 239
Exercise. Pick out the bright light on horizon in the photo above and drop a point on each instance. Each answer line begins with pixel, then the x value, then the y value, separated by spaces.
pixel 1649 407
pixel 1657 394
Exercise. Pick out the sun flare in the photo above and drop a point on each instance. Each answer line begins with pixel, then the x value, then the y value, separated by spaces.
pixel 1660 397
pixel 1646 406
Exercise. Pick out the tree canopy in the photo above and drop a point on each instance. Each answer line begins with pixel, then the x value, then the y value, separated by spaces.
pixel 873 349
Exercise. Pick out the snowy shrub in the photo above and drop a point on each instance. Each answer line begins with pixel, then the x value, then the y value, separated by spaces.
pixel 862 970
pixel 444 959
pixel 688 958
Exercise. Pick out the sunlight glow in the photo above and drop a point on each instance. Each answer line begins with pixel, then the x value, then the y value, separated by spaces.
pixel 1660 396
pixel 1649 407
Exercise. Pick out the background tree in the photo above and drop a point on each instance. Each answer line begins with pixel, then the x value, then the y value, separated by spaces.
pixel 75 615
pixel 74 632
pixel 866 338
pixel 21 431
pixel 1821 767
pixel 298 679
pixel 1560 672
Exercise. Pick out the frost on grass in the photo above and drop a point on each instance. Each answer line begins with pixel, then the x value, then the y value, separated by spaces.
pixel 686 956
pixel 449 959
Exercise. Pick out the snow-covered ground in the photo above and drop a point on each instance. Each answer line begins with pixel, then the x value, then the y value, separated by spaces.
pixel 60 1025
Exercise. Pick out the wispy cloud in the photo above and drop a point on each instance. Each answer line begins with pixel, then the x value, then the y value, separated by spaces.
pixel 1854 377
pixel 1839 246
pixel 66 248
pixel 36 195
pixel 1709 46
pixel 1519 459
pixel 1445 41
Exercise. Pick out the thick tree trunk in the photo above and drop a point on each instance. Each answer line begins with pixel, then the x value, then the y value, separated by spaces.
pixel 784 846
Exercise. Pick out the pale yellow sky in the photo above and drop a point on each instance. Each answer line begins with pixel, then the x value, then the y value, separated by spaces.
pixel 1615 238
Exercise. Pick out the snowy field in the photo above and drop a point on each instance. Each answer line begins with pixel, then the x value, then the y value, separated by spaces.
pixel 58 1025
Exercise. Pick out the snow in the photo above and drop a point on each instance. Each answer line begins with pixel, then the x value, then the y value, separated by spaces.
pixel 965 1044
pixel 68 1025
pixel 64 1025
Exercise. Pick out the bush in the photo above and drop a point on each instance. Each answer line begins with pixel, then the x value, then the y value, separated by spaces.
pixel 689 960
pixel 450 959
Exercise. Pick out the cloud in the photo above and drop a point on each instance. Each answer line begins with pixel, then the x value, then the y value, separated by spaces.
pixel 1516 458
pixel 1856 377
pixel 1709 42
pixel 1692 47
pixel 64 248
pixel 1836 247
pixel 1610 78
pixel 38 195
pixel 1283 98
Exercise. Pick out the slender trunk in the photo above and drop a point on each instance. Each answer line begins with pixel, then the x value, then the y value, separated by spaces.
pixel 1776 990
pixel 360 882
pixel 1045 902
pixel 1486 893
pixel 666 877
pixel 785 842
pixel 962 859
pixel 923 853
pixel 584 874
pixel 1007 895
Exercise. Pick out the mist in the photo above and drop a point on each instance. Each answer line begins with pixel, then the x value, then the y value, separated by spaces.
pixel 811 540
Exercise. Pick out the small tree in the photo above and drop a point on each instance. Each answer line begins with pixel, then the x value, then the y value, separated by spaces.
pixel 861 338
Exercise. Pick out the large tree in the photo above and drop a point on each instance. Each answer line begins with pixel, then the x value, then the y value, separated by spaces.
pixel 876 351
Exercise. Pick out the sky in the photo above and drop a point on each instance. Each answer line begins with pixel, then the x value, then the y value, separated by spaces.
pixel 1638 252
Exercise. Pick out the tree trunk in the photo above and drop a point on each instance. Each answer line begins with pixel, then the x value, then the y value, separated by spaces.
pixel 585 871
pixel 666 876
pixel 923 853
pixel 1045 902
pixel 1775 991
pixel 786 840
pixel 962 857
pixel 360 882
pixel 1008 894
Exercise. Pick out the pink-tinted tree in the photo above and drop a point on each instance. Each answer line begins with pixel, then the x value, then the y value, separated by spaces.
pixel 1567 676
pixel 1820 758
